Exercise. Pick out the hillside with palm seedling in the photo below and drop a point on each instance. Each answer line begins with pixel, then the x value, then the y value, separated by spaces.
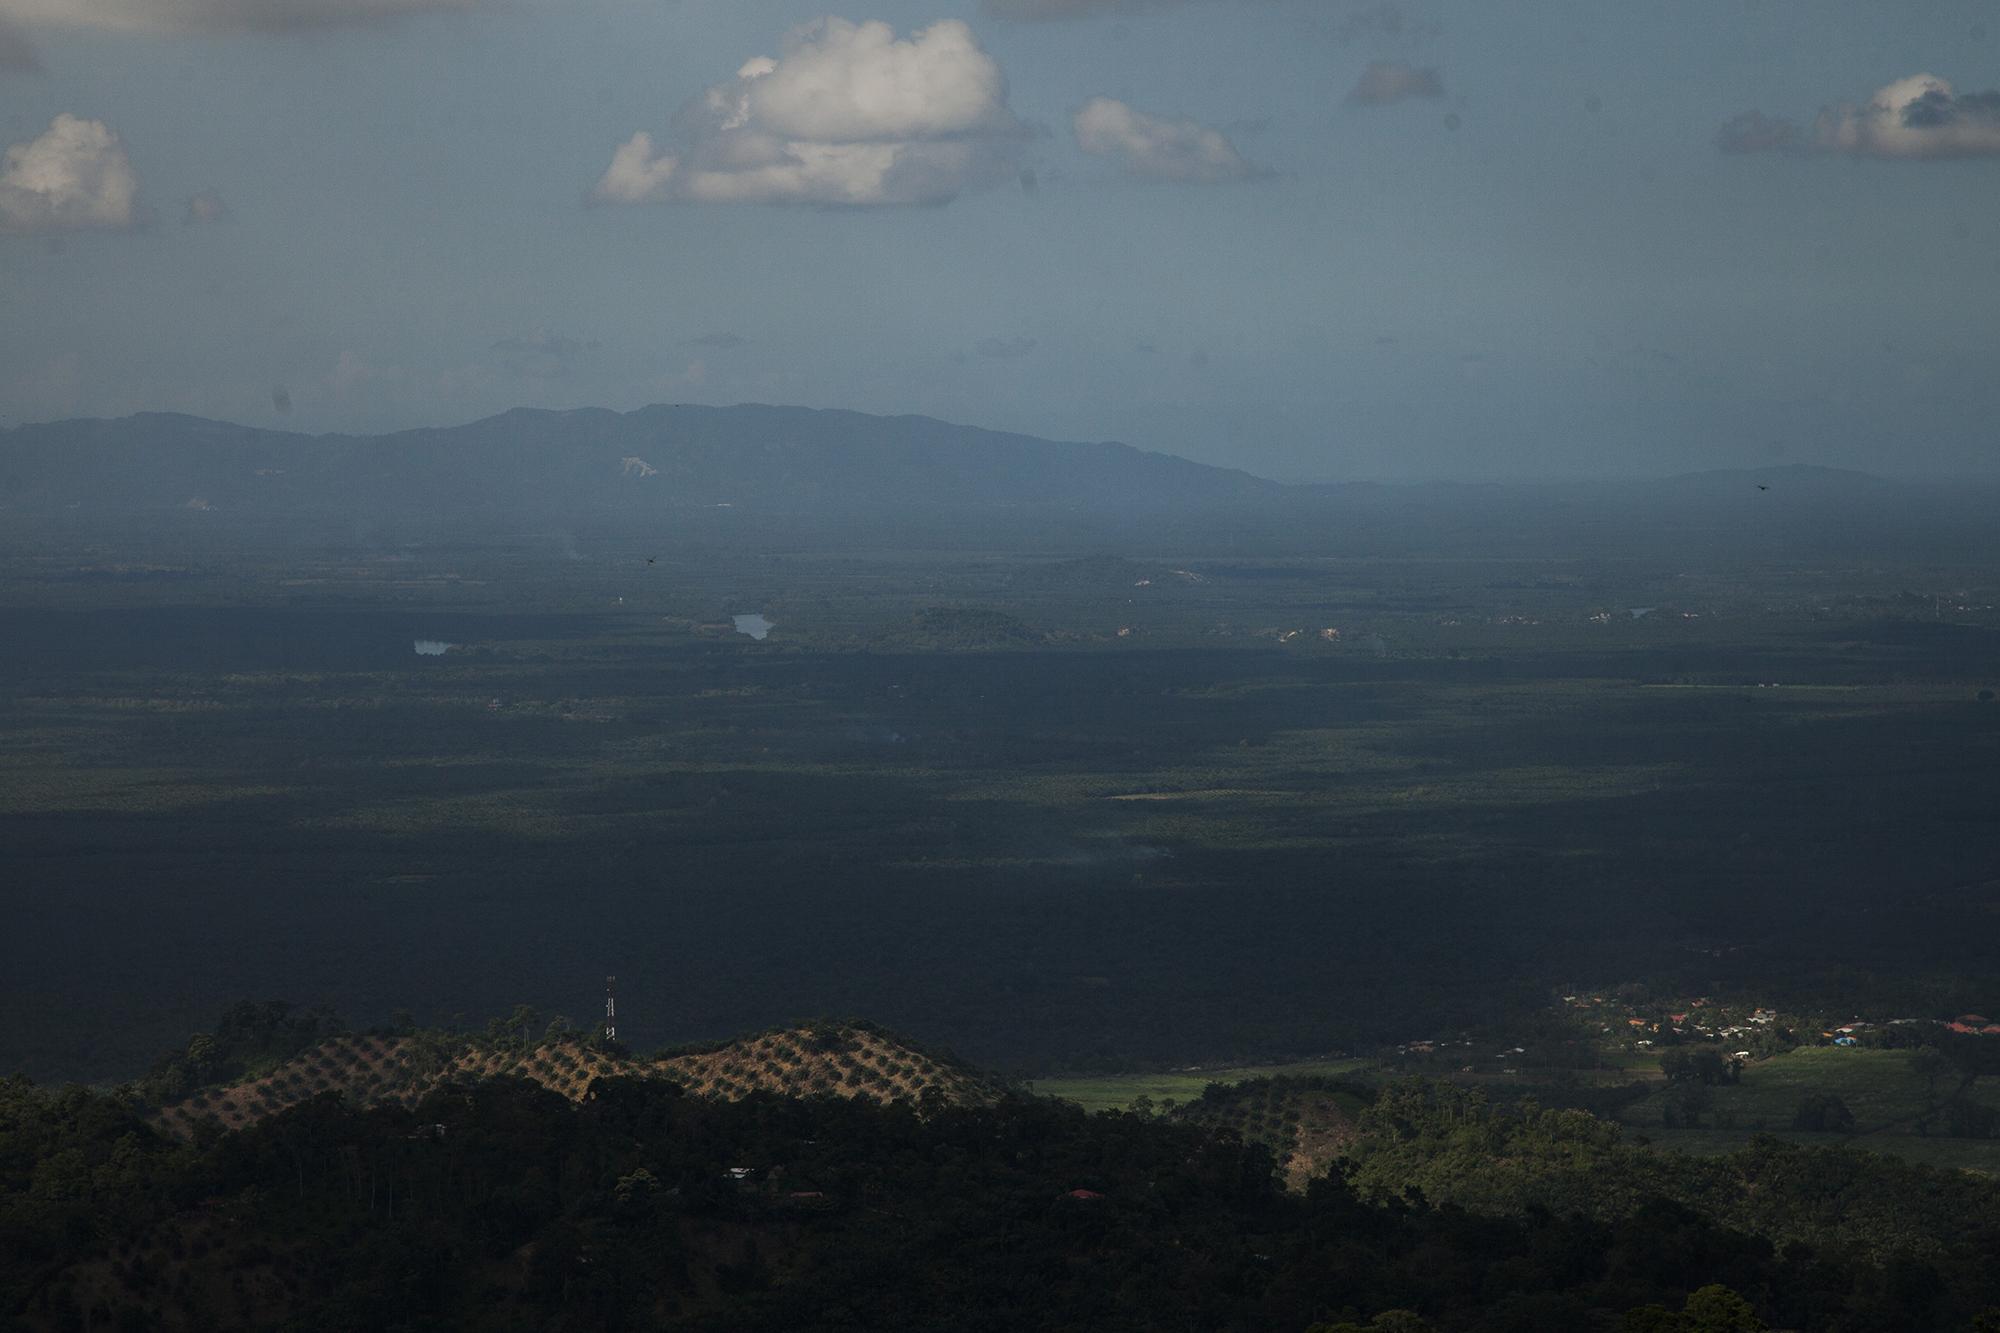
pixel 844 1059
pixel 1305 1122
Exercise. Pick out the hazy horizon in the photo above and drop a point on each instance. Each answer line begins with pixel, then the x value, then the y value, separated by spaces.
pixel 1313 239
pixel 1386 477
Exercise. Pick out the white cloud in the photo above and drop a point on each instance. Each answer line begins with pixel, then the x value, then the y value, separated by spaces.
pixel 848 114
pixel 1918 117
pixel 1155 149
pixel 1915 117
pixel 637 173
pixel 183 16
pixel 848 82
pixel 1388 81
pixel 73 177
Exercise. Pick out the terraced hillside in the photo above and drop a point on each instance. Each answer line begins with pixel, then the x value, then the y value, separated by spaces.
pixel 844 1060
pixel 1305 1122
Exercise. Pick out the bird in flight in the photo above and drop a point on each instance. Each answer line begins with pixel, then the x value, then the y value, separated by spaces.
pixel 1760 486
pixel 649 559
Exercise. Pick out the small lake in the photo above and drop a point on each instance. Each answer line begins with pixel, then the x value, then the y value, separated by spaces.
pixel 753 624
pixel 433 647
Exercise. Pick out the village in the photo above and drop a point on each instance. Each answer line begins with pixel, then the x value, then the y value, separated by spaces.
pixel 1704 1074
pixel 1619 1033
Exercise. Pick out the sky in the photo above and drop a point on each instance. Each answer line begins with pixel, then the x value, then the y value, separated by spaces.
pixel 1317 239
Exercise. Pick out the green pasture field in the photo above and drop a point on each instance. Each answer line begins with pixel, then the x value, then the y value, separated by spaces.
pixel 1882 1088
pixel 1118 1092
pixel 1885 1090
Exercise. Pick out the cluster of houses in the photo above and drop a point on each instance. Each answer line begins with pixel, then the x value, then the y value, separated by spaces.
pixel 1427 1047
pixel 1705 1021
pixel 1756 1030
pixel 1702 1020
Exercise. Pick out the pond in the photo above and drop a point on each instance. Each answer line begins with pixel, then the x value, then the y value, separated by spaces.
pixel 753 624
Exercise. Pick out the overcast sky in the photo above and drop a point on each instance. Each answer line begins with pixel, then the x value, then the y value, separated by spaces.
pixel 1312 238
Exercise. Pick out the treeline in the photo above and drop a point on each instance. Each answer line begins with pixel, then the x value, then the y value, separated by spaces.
pixel 250 1038
pixel 506 1206
pixel 1452 1145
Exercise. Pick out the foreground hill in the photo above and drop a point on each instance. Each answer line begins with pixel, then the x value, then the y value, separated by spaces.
pixel 532 462
pixel 501 1204
pixel 843 1060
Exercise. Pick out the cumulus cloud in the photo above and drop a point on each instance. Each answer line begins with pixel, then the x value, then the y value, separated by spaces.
pixel 204 206
pixel 1005 349
pixel 848 114
pixel 1918 117
pixel 1151 148
pixel 209 16
pixel 75 176
pixel 17 53
pixel 1388 81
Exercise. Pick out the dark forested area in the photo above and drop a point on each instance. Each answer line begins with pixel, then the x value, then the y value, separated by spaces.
pixel 505 1206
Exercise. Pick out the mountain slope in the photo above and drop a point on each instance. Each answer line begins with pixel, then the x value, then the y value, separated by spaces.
pixel 590 459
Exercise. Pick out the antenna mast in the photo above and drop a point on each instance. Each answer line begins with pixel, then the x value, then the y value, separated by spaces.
pixel 611 1008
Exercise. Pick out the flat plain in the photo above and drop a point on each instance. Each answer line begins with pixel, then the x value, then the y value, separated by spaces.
pixel 1086 814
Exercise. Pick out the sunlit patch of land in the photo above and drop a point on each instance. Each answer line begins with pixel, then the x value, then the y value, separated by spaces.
pixel 1118 1092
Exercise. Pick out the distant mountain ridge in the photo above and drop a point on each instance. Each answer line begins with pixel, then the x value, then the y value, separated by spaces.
pixel 591 459
pixel 1810 479
pixel 805 478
